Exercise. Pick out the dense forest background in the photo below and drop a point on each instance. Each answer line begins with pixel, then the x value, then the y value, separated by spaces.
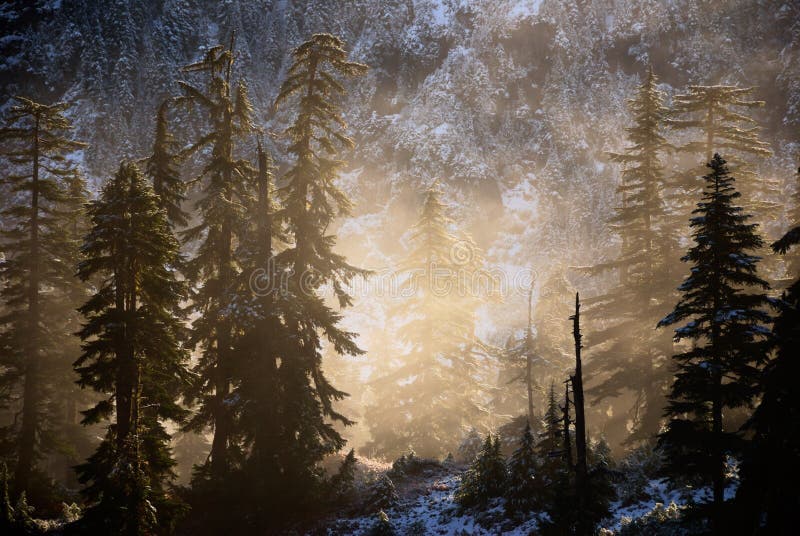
pixel 506 114
pixel 512 105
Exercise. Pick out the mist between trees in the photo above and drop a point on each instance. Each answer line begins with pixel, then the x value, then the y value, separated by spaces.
pixel 296 312
pixel 441 282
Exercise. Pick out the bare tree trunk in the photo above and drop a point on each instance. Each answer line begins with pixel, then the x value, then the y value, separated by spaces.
pixel 566 422
pixel 580 420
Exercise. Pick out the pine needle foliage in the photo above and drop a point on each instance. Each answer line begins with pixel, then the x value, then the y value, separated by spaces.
pixel 486 477
pixel 214 269
pixel 36 273
pixel 310 200
pixel 722 312
pixel 439 381
pixel 132 355
pixel 522 486
pixel 631 353
pixel 771 467
pixel 162 168
pixel 720 115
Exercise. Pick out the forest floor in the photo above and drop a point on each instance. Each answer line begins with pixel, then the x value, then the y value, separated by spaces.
pixel 426 506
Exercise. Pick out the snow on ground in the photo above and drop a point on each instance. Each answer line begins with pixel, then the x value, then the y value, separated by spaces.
pixel 433 511
pixel 427 507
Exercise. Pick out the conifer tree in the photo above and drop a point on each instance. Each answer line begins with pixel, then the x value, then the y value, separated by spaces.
pixel 559 494
pixel 37 256
pixel 261 342
pixel 518 364
pixel 214 270
pixel 722 308
pixel 76 441
pixel 522 485
pixel 720 115
pixel 486 476
pixel 310 201
pixel 631 352
pixel 529 357
pixel 551 440
pixel 438 382
pixel 343 482
pixel 163 171
pixel 132 355
pixel 771 467
pixel 551 464
pixel 792 237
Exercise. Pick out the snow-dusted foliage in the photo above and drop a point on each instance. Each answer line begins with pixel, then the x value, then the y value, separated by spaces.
pixel 512 102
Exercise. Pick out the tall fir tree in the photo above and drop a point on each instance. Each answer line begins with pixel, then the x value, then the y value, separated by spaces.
pixel 545 349
pixel 722 305
pixel 162 167
pixel 74 441
pixel 310 201
pixel 629 353
pixel 767 495
pixel 262 343
pixel 214 270
pixel 133 356
pixel 37 275
pixel 437 391
pixel 719 114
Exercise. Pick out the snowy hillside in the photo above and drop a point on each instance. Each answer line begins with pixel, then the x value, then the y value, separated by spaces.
pixel 513 104
pixel 426 505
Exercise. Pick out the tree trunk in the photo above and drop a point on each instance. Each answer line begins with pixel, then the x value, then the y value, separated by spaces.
pixel 718 469
pixel 580 421
pixel 566 421
pixel 221 412
pixel 529 357
pixel 31 390
pixel 222 415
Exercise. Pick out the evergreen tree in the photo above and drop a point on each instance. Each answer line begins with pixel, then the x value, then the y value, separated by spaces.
pixel 771 468
pixel 724 316
pixel 214 270
pixel 719 113
pixel 343 482
pixel 36 273
pixel 260 344
pixel 783 246
pixel 522 487
pixel 559 495
pixel 519 364
pixel 132 354
pixel 486 476
pixel 310 201
pixel 439 382
pixel 551 440
pixel 71 441
pixel 632 354
pixel 163 171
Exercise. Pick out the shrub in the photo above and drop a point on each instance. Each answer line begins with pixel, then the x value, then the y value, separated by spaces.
pixel 382 494
pixel 382 526
pixel 485 478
